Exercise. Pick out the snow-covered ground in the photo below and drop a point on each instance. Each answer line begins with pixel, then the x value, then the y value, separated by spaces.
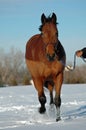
pixel 19 109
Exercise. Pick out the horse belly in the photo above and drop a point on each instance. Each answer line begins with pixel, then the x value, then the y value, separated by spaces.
pixel 39 69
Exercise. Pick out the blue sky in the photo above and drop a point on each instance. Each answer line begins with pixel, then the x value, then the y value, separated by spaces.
pixel 20 19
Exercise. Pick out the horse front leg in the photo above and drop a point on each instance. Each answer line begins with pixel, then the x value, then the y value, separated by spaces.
pixel 41 96
pixel 58 85
pixel 42 100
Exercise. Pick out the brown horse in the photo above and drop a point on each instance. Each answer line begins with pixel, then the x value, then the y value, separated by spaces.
pixel 45 59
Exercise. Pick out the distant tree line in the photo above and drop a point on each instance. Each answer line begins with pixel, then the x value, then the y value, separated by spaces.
pixel 13 70
pixel 76 76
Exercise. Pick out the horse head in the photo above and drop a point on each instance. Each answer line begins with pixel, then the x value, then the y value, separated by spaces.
pixel 49 34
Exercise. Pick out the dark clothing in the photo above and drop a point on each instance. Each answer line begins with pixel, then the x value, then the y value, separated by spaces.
pixel 84 53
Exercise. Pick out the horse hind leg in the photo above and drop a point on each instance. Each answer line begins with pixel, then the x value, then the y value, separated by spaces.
pixel 49 85
pixel 51 98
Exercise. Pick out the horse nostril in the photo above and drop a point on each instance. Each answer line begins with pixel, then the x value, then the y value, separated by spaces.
pixel 53 56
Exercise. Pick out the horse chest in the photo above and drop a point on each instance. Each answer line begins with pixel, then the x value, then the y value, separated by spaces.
pixel 52 69
pixel 41 69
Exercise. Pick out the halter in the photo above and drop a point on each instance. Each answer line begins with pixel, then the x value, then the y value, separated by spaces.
pixel 55 44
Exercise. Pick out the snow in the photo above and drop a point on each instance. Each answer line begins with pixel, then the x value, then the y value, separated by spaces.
pixel 19 109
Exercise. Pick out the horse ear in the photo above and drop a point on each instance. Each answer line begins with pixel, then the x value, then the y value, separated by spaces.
pixel 54 18
pixel 43 18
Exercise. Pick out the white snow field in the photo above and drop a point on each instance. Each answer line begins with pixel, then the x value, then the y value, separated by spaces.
pixel 19 109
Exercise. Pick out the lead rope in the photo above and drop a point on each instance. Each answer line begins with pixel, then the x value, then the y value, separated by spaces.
pixel 71 68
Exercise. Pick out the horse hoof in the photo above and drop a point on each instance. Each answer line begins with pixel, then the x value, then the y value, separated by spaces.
pixel 58 119
pixel 42 110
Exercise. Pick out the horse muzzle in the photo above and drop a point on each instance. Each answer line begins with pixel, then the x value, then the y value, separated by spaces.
pixel 51 57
